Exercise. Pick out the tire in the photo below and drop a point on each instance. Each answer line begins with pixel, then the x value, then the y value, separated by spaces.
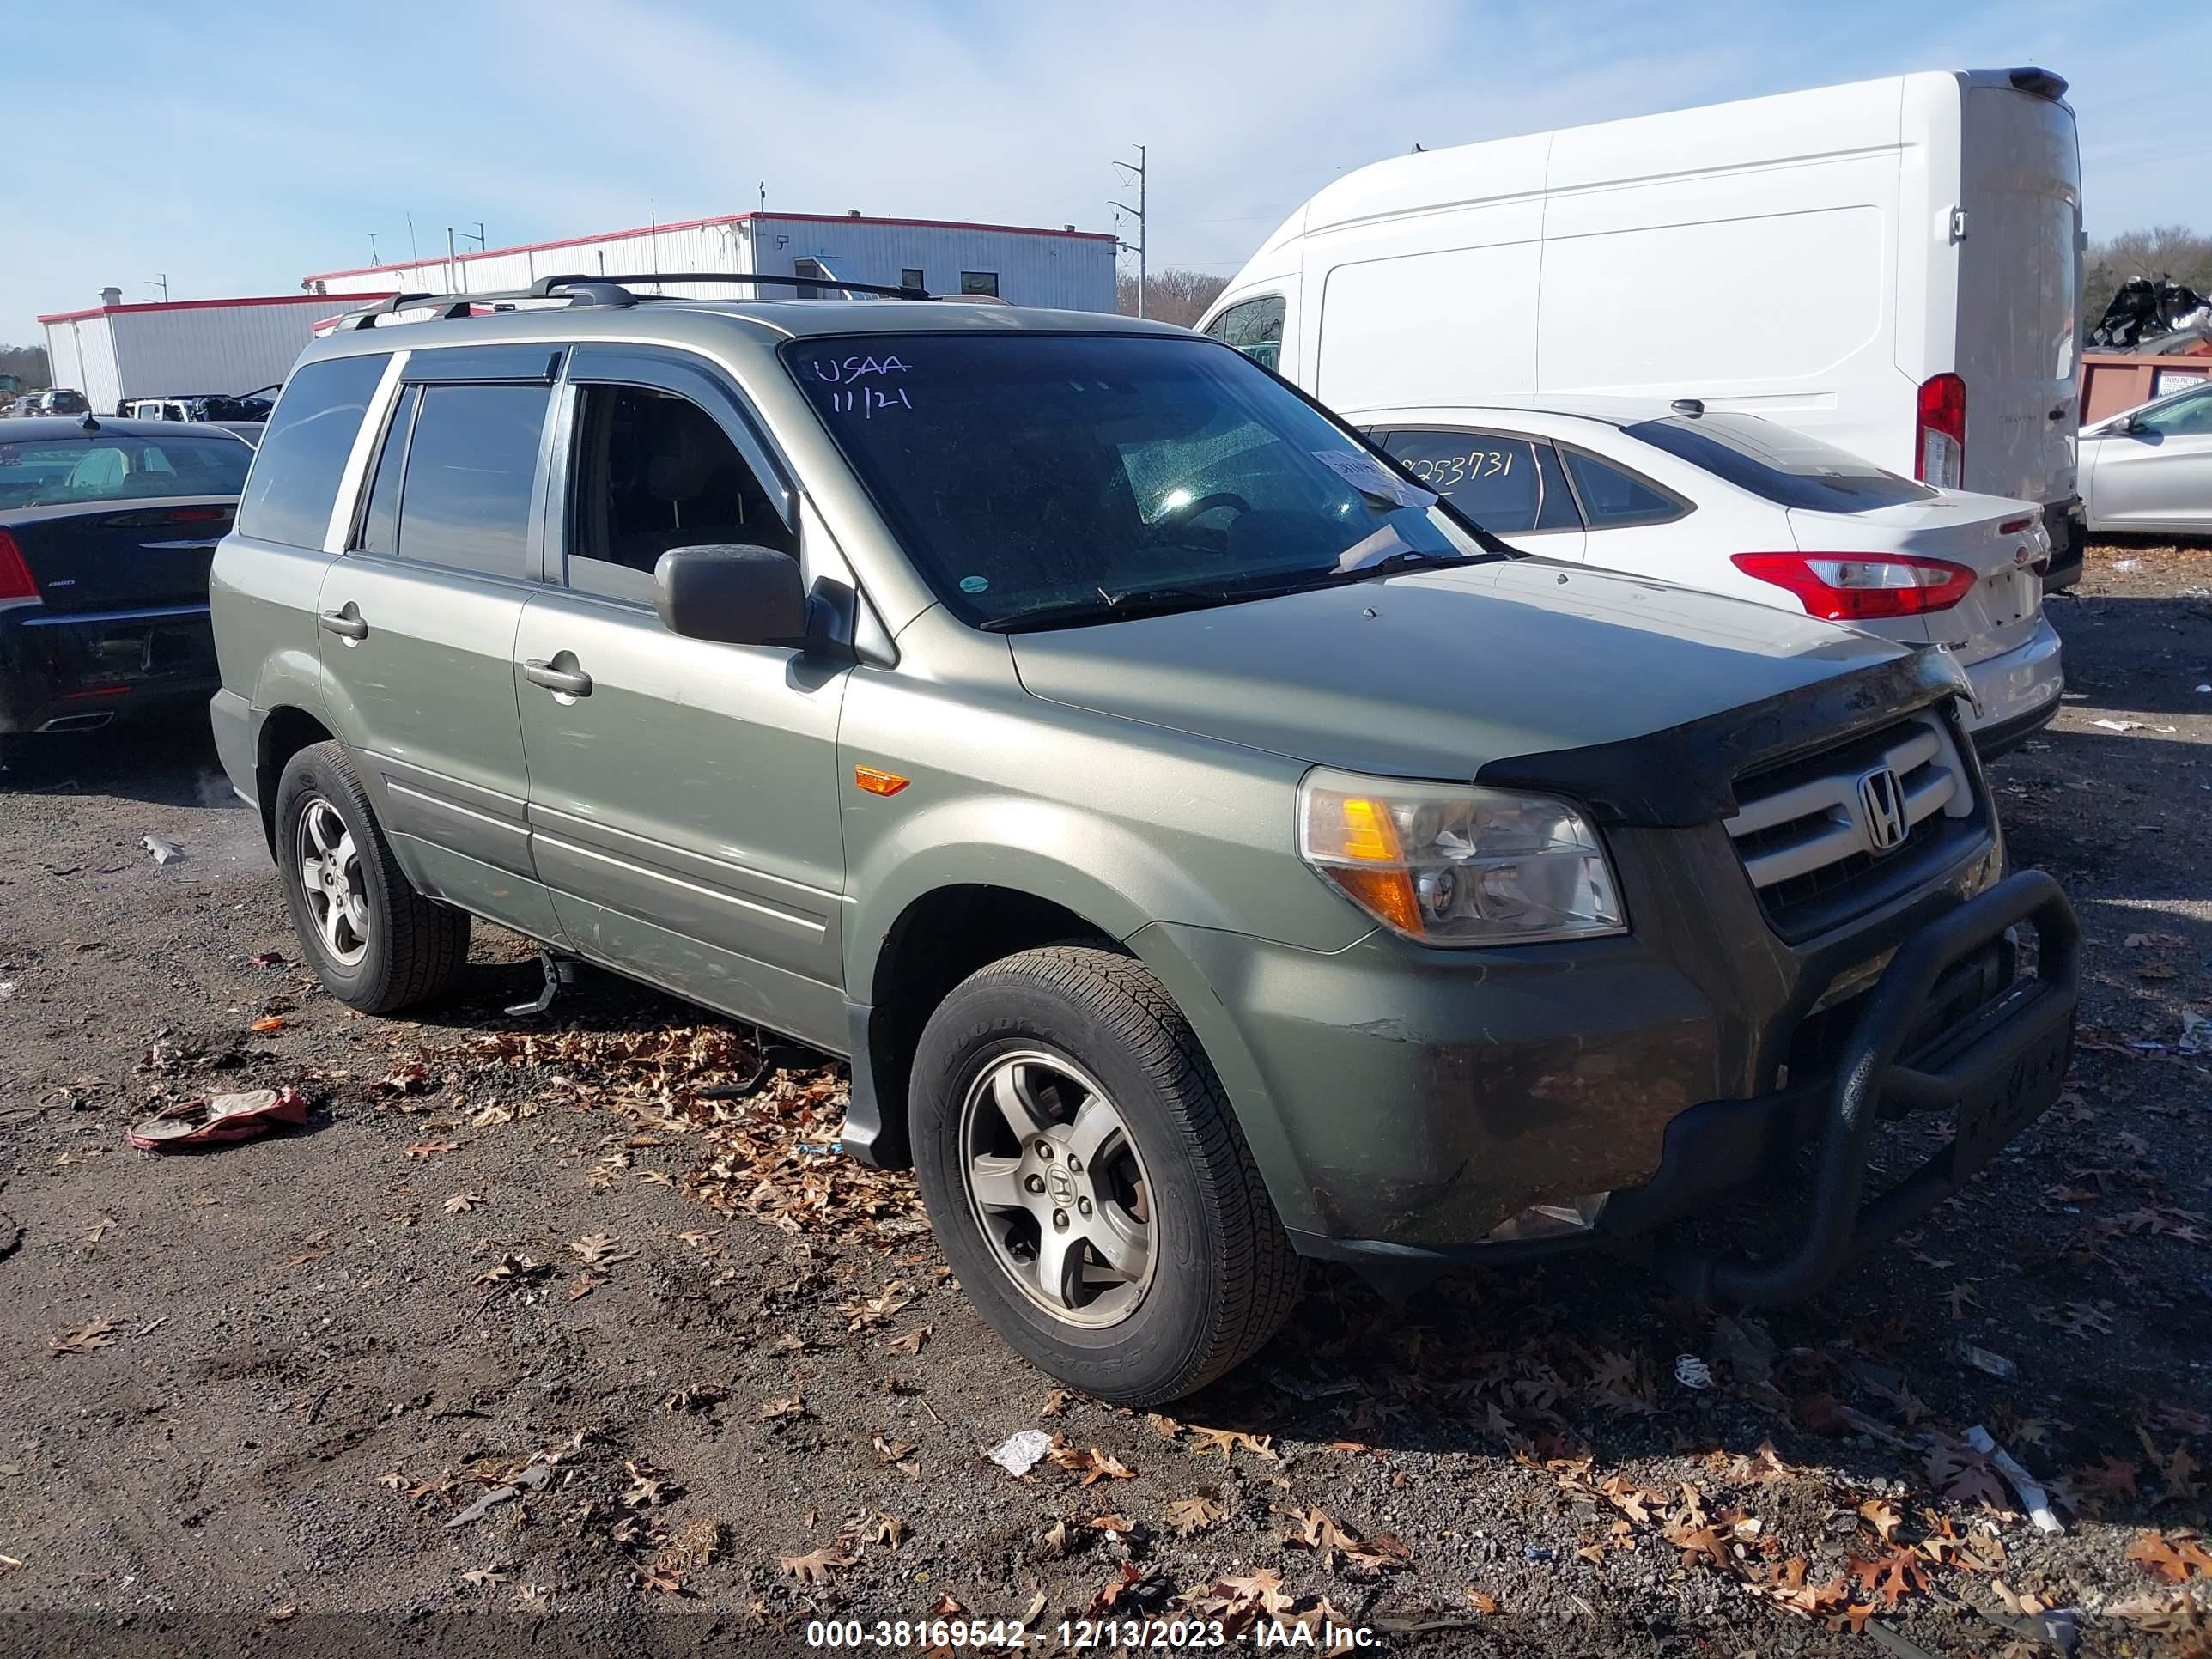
pixel 392 947
pixel 1053 1028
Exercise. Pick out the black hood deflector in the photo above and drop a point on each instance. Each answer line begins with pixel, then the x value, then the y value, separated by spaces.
pixel 1684 775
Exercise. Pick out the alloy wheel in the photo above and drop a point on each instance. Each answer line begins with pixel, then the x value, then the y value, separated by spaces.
pixel 331 877
pixel 1054 1178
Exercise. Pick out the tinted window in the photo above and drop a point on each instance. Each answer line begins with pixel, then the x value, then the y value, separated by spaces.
pixel 1612 498
pixel 979 282
pixel 295 482
pixel 380 529
pixel 111 467
pixel 654 471
pixel 911 278
pixel 472 470
pixel 1505 484
pixel 1778 464
pixel 2183 417
pixel 1066 473
pixel 1255 328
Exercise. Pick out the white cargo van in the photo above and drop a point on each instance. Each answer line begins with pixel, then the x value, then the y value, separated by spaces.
pixel 1892 265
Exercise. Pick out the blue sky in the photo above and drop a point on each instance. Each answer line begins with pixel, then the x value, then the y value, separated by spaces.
pixel 238 146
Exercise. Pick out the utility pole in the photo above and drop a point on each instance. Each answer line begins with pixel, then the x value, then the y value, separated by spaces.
pixel 454 285
pixel 414 253
pixel 1138 173
pixel 162 282
pixel 373 260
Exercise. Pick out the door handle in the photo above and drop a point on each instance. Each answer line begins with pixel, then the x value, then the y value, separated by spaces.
pixel 573 683
pixel 345 627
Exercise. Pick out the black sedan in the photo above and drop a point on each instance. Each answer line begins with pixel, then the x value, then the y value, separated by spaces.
pixel 106 531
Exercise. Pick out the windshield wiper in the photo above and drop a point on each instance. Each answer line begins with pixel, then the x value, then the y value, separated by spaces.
pixel 1115 607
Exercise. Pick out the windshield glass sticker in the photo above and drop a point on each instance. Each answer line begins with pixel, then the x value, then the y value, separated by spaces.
pixel 1370 477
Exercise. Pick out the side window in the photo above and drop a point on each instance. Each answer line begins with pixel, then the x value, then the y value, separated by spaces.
pixel 471 472
pixel 652 471
pixel 1507 485
pixel 807 268
pixel 295 481
pixel 911 278
pixel 379 525
pixel 2185 417
pixel 1255 328
pixel 979 282
pixel 1613 499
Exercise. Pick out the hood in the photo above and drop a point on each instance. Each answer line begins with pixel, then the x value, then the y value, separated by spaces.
pixel 1442 673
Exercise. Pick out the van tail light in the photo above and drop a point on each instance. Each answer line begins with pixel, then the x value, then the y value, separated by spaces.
pixel 1941 450
pixel 15 581
pixel 1855 587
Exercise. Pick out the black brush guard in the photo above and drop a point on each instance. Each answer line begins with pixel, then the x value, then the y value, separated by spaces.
pixel 1997 1072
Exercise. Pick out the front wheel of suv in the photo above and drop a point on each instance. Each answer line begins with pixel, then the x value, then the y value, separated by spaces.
pixel 1087 1180
pixel 377 943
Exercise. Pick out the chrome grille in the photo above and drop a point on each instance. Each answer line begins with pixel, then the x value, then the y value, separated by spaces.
pixel 1814 832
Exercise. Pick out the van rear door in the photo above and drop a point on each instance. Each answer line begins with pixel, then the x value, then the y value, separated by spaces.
pixel 2019 265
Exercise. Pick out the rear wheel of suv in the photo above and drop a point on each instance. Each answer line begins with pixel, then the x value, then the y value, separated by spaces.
pixel 1086 1178
pixel 377 943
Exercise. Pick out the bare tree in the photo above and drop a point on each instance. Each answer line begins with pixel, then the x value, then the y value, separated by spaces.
pixel 27 362
pixel 1172 295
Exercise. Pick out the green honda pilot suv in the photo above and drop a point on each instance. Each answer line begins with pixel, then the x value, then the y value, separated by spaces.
pixel 1208 848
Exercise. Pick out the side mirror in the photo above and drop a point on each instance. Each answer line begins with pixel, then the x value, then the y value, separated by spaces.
pixel 736 595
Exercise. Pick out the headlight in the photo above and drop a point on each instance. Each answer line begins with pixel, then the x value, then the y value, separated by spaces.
pixel 1453 864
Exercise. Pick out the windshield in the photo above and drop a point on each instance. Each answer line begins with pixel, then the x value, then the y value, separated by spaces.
pixel 1778 464
pixel 1064 477
pixel 112 467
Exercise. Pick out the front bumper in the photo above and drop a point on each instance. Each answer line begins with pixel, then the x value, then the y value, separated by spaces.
pixel 1402 1107
pixel 69 671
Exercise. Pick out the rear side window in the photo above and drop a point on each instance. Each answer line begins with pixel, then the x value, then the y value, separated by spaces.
pixel 295 482
pixel 1778 465
pixel 111 467
pixel 471 475
pixel 1255 328
pixel 1613 499
pixel 1506 485
pixel 380 529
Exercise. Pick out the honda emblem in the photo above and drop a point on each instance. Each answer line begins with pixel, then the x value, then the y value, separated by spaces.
pixel 1881 810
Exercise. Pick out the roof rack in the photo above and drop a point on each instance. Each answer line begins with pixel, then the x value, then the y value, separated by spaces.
pixel 615 291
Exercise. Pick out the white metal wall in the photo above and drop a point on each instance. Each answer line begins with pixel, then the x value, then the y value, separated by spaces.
pixel 1073 272
pixel 721 245
pixel 209 349
pixel 81 353
pixel 1034 268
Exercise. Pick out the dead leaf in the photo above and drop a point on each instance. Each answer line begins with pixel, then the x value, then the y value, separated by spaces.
pixel 461 1203
pixel 283 1612
pixel 598 1250
pixel 648 1487
pixel 816 1567
pixel 1056 1402
pixel 655 1578
pixel 1092 1465
pixel 1227 1442
pixel 897 1453
pixel 1190 1514
pixel 481 1577
pixel 911 1342
pixel 2176 1560
pixel 887 1530
pixel 86 1340
pixel 789 1409
pixel 1885 1520
pixel 432 1148
pixel 1482 1601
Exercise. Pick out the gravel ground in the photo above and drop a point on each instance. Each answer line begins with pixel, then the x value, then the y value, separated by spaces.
pixel 267 1383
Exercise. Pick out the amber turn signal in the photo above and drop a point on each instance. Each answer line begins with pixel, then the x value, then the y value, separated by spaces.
pixel 878 781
